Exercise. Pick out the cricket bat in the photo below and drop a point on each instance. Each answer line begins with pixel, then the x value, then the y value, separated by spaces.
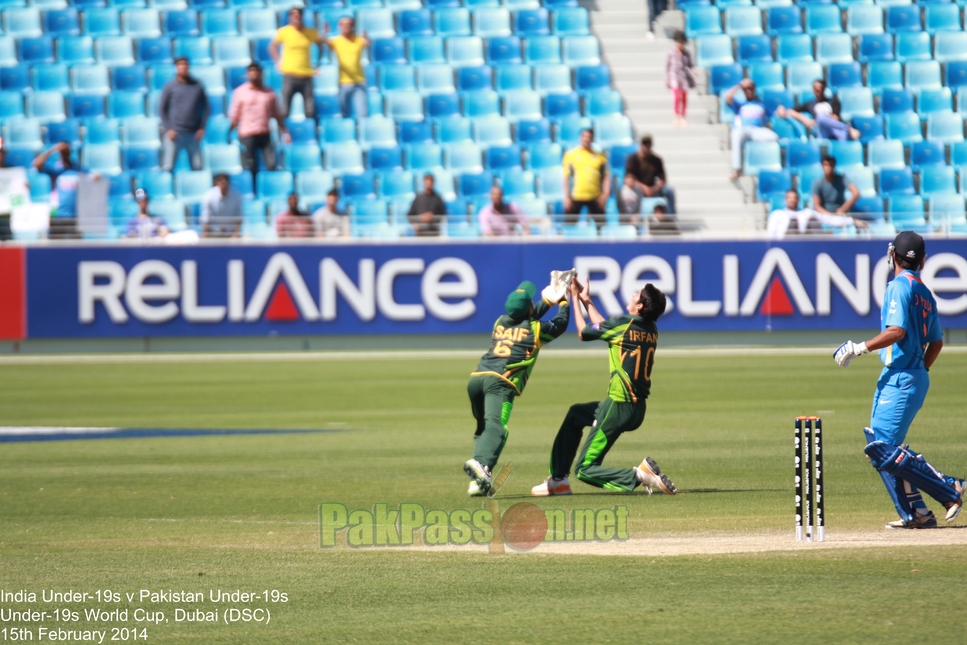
pixel 502 475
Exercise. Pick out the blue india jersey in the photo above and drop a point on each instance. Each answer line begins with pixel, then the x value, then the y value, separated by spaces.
pixel 909 304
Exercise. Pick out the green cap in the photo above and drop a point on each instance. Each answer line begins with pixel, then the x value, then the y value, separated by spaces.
pixel 518 303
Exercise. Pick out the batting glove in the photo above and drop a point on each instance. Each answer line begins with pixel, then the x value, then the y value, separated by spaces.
pixel 848 351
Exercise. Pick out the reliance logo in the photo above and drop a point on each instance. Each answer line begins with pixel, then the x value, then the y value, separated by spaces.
pixel 154 291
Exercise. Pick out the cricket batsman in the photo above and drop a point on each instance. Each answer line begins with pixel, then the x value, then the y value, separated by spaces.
pixel 909 342
pixel 632 340
pixel 503 371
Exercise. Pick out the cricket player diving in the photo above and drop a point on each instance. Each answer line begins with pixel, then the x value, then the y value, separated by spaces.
pixel 632 340
pixel 503 371
pixel 909 342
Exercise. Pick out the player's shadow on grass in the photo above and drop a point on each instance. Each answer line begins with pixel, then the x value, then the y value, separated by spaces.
pixel 687 491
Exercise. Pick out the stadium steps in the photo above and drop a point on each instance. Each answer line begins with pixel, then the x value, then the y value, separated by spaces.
pixel 696 157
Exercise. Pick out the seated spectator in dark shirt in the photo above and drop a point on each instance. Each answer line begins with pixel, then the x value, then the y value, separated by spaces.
pixel 294 222
pixel 663 222
pixel 829 191
pixel 821 113
pixel 427 210
pixel 648 171
pixel 145 226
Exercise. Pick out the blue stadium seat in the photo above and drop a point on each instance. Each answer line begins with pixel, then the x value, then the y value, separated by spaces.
pixel 102 22
pixel 848 154
pixel 896 100
pixel 542 49
pixel 570 21
pixel 436 79
pixel 141 23
pixel 21 132
pixel 722 77
pixel 377 132
pixel 125 104
pixel 467 51
pixel 525 105
pixel 787 130
pixel 922 75
pixel 613 130
pixel 491 23
pixel 769 76
pixel 792 48
pixel 426 50
pixel 896 181
pixel 772 182
pixel 802 153
pixel 257 23
pixel 948 211
pixel 139 158
pixel 594 77
pixel 345 157
pixel 945 126
pixel 116 51
pixel 104 158
pixel 423 157
pixel 212 77
pixel 473 185
pixel 937 180
pixel 834 48
pixel 442 4
pixel 904 127
pixel 43 105
pixel 452 22
pixel 569 129
pixel 537 131
pixel 603 103
pixel 238 76
pixel 388 159
pixel 440 106
pixel 86 106
pixel 715 50
pixel 784 20
pixel 219 22
pixel 552 79
pixel 463 158
pixel 104 131
pixel 454 130
pixel 231 51
pixel 503 158
pixel 470 79
pixel 875 47
pixel 881 75
pixel 903 18
pixel 337 130
pixel 90 79
pixel 870 209
pixel 532 22
pixel 543 155
pixel 396 184
pixel 154 50
pixel 416 132
pixel 197 50
pixel 480 103
pixel 129 79
pixel 514 77
pixel 913 46
pixel 519 184
pixel 863 178
pixel 276 184
pixel 159 185
pixel 376 23
pixel 310 185
pixel 159 75
pixel 950 46
pixel 388 51
pixel 906 212
pixel 22 22
pixel 580 51
pixel 555 4
pixel 934 100
pixel 702 21
pixel 823 19
pixel 302 156
pixel 416 22
pixel 141 131
pixel 774 98
pixel 191 185
pixel 754 49
pixel 807 177
pixel 885 153
pixel 62 22
pixel 15 77
pixel 759 156
pixel 843 75
pixel 864 20
pixel 927 153
pixel 743 21
pixel 401 5
pixel 942 17
pixel 550 183
pixel 560 106
pixel 41 50
pixel 504 51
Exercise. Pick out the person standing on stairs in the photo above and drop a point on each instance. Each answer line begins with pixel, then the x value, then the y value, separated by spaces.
pixel 679 77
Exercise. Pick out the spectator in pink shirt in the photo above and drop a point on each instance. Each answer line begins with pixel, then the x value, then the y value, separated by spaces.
pixel 499 218
pixel 294 222
pixel 253 106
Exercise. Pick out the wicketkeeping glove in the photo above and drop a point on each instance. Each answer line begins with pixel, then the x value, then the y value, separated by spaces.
pixel 848 351
pixel 557 289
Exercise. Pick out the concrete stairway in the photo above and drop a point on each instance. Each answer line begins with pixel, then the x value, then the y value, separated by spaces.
pixel 696 157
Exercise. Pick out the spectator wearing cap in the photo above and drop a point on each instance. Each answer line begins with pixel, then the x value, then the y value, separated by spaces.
pixel 427 210
pixel 749 124
pixel 648 171
pixel 253 106
pixel 500 218
pixel 183 108
pixel 793 220
pixel 295 63
pixel 221 209
pixel 145 226
pixel 829 191
pixel 349 47
pixel 587 181
pixel 294 222
pixel 330 220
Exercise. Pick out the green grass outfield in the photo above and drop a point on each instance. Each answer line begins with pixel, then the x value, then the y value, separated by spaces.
pixel 240 512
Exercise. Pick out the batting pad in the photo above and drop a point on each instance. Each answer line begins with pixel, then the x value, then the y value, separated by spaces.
pixel 909 466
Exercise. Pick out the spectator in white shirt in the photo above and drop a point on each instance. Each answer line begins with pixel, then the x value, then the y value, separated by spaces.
pixel 221 210
pixel 793 220
pixel 330 220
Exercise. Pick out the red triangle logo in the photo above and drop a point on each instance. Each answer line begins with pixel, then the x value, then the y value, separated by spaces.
pixel 776 301
pixel 282 307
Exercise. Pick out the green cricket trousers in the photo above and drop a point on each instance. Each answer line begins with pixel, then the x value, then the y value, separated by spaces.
pixel 491 400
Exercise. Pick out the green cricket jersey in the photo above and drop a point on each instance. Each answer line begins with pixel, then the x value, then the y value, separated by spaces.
pixel 515 344
pixel 632 343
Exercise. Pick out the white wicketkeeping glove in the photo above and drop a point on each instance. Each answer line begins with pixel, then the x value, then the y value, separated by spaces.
pixel 848 351
pixel 557 289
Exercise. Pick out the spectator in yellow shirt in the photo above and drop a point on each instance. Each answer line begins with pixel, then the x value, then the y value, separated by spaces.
pixel 295 64
pixel 348 47
pixel 591 185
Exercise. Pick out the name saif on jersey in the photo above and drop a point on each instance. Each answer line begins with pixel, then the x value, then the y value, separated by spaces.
pixel 515 334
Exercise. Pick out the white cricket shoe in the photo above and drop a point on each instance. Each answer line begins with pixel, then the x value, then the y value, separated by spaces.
pixel 954 508
pixel 551 487
pixel 652 477
pixel 479 473
pixel 928 521
pixel 474 489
